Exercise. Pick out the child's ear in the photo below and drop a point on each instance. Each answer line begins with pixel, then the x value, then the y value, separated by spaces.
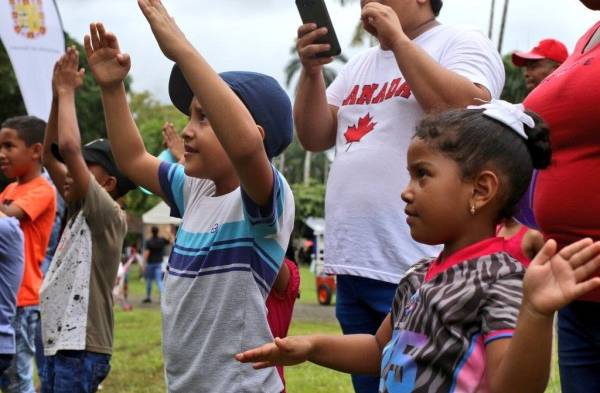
pixel 37 149
pixel 262 131
pixel 110 185
pixel 485 189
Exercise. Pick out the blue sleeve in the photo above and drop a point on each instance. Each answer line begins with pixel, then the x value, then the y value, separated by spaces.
pixel 172 180
pixel 11 239
pixel 265 219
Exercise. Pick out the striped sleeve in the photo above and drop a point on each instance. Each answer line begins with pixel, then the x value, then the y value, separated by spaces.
pixel 172 180
pixel 501 309
pixel 266 220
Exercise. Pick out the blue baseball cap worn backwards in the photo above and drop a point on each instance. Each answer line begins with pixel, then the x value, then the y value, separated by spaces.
pixel 266 101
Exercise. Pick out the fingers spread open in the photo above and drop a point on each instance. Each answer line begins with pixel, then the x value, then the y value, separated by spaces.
pixel 95 37
pixel 544 255
pixel 570 250
pixel 87 44
pixel 590 267
pixel 261 365
pixel 587 286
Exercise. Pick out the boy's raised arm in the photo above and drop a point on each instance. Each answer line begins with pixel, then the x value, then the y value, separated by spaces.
pixel 56 169
pixel 67 78
pixel 231 121
pixel 110 67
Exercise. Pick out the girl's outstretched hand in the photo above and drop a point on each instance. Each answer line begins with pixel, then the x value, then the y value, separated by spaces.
pixel 554 280
pixel 108 64
pixel 171 40
pixel 282 351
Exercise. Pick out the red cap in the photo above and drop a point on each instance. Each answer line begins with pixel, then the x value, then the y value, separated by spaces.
pixel 547 49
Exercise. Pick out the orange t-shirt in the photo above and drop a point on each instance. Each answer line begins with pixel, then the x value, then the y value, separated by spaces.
pixel 37 198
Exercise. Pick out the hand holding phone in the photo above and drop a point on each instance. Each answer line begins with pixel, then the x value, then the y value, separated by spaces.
pixel 315 11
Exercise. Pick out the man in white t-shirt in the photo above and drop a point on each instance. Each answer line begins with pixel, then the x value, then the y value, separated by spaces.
pixel 369 114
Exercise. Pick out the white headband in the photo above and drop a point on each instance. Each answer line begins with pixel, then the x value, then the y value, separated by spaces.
pixel 512 115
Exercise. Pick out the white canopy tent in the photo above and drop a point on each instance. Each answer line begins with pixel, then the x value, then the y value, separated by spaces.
pixel 160 215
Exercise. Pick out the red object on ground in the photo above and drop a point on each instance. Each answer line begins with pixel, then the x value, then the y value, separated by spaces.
pixel 325 289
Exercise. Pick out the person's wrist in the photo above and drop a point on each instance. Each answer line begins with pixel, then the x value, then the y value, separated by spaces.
pixel 65 91
pixel 535 313
pixel 112 87
pixel 183 51
pixel 312 72
pixel 400 42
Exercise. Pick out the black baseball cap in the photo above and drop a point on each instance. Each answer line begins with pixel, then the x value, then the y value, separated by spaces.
pixel 266 101
pixel 99 152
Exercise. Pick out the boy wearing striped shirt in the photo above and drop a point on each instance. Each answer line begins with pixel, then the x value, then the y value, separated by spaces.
pixel 237 209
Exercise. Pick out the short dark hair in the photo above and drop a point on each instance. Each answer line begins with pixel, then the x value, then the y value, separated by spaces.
pixel 29 128
pixel 476 142
pixel 154 230
pixel 436 6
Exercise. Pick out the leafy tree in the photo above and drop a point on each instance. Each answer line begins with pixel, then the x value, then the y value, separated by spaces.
pixel 310 200
pixel 514 88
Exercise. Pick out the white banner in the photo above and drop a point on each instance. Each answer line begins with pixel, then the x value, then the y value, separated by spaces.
pixel 32 34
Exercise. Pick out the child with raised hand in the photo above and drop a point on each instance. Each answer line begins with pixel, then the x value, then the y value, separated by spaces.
pixel 77 304
pixel 237 210
pixel 471 319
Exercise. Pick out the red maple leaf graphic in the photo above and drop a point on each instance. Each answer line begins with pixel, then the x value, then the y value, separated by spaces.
pixel 355 133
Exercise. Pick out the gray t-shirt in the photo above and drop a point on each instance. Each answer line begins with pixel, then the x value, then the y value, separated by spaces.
pixel 11 273
pixel 225 259
pixel 76 296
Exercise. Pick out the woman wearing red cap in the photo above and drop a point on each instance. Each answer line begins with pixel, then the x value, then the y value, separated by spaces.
pixel 566 201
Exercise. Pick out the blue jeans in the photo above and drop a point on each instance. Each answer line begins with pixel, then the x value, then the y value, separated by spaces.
pixel 40 359
pixel 361 306
pixel 18 378
pixel 579 347
pixel 153 272
pixel 75 372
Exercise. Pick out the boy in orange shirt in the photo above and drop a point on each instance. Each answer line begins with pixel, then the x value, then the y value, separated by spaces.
pixel 32 200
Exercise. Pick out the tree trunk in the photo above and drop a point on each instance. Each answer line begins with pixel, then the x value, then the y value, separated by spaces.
pixel 307 162
pixel 503 25
pixel 491 28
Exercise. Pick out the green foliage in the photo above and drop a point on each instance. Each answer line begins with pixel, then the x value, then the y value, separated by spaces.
pixel 310 200
pixel 514 88
pixel 11 102
pixel 150 116
pixel 294 164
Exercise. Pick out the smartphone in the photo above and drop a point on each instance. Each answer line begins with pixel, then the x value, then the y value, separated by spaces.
pixel 315 11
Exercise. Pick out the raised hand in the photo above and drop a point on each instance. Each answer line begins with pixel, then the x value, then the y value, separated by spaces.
pixel 67 76
pixel 554 280
pixel 382 22
pixel 108 64
pixel 308 49
pixel 282 351
pixel 171 40
pixel 173 141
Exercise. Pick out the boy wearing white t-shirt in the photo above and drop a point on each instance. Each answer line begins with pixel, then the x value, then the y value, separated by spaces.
pixel 369 114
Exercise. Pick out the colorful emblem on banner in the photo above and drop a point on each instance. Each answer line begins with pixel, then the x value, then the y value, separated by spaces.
pixel 28 17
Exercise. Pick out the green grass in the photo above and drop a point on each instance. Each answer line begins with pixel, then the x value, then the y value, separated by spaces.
pixel 137 365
